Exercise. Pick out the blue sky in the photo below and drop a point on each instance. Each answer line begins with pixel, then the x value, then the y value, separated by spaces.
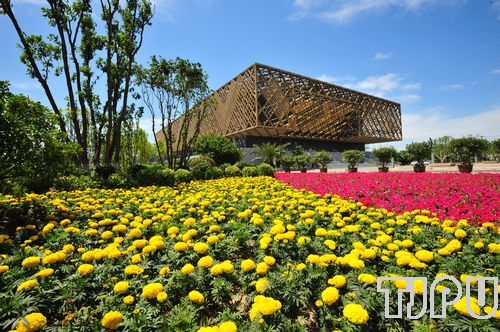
pixel 439 58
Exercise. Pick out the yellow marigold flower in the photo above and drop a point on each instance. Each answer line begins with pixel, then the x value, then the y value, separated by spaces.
pixel 31 322
pixel 461 306
pixel 487 309
pixel 120 287
pixel 318 303
pixel 367 278
pixel 338 281
pixel 300 266
pixel 164 271
pixel 355 313
pixel 133 269
pixel 196 297
pixel 27 285
pixel 111 320
pixel 85 269
pixel 54 258
pixel 460 233
pixel 262 268
pixel 330 295
pixel 227 266
pixel 150 291
pixel 187 269
pixel 44 273
pixel 213 239
pixel 161 297
pixel 479 245
pixel 31 262
pixel 4 268
pixel 228 326
pixel 216 270
pixel 180 246
pixel 425 255
pixel 269 260
pixel 205 262
pixel 149 249
pixel 173 230
pixel 247 265
pixel 200 247
pixel 261 285
pixel 129 299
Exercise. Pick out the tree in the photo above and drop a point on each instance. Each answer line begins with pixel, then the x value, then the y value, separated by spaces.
pixel 136 148
pixel 33 151
pixel 441 148
pixel 353 157
pixel 419 152
pixel 221 149
pixel 178 90
pixel 270 153
pixel 495 149
pixel 79 55
pixel 385 154
pixel 322 158
pixel 463 150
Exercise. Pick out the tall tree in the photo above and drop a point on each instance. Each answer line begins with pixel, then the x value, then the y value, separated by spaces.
pixel 178 90
pixel 77 53
pixel 441 148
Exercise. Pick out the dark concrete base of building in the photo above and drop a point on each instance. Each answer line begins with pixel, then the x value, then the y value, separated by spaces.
pixel 307 144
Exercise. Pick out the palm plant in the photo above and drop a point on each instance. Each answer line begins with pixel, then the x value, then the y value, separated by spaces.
pixel 270 153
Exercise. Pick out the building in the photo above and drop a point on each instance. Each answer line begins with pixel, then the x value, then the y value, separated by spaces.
pixel 266 104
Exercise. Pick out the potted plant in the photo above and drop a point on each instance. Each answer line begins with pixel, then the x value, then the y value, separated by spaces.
pixel 322 158
pixel 301 161
pixel 287 162
pixel 353 157
pixel 419 152
pixel 384 156
pixel 464 150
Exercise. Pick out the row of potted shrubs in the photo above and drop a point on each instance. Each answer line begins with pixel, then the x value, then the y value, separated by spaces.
pixel 201 168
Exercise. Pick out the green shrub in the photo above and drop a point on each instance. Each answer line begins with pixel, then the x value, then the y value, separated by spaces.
pixel 463 150
pixel 302 160
pixel 156 175
pixel 242 164
pixel 385 154
pixel 232 171
pixel 74 182
pixel 104 171
pixel 250 171
pixel 220 148
pixel 214 172
pixel 353 157
pixel 322 158
pixel 419 152
pixel 133 170
pixel 265 170
pixel 287 161
pixel 118 180
pixel 199 160
pixel 183 175
pixel 199 171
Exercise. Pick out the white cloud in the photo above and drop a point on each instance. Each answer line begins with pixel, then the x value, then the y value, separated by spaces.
pixel 436 122
pixel 344 11
pixel 495 71
pixel 382 56
pixel 450 87
pixel 26 85
pixel 408 99
pixel 31 2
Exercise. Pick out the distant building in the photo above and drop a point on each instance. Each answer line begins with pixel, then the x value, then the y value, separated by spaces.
pixel 266 104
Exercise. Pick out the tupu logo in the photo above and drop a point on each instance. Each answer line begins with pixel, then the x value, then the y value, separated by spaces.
pixel 428 297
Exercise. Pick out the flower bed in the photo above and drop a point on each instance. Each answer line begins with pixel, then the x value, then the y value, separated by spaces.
pixel 251 254
pixel 475 197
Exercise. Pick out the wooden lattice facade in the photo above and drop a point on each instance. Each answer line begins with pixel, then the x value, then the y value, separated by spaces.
pixel 268 104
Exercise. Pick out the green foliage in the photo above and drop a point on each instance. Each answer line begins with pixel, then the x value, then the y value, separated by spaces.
pixel 385 154
pixel 287 161
pixel 133 170
pixel 419 152
pixel 441 147
pixel 200 160
pixel 104 172
pixel 403 157
pixel 270 153
pixel 250 171
pixel 74 182
pixel 220 148
pixel 495 149
pixel 183 175
pixel 136 148
pixel 353 157
pixel 232 171
pixel 463 150
pixel 322 158
pixel 156 175
pixel 118 180
pixel 33 152
pixel 265 170
pixel 200 170
pixel 214 172
pixel 302 160
pixel 242 164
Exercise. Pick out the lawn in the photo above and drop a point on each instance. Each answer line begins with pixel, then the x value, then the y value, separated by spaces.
pixel 252 254
pixel 475 197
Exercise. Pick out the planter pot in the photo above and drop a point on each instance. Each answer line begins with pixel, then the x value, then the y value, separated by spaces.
pixel 419 168
pixel 465 168
pixel 383 169
pixel 352 170
pixel 303 170
pixel 323 169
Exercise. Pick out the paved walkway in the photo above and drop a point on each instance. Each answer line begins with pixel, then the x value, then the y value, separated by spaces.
pixel 437 168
